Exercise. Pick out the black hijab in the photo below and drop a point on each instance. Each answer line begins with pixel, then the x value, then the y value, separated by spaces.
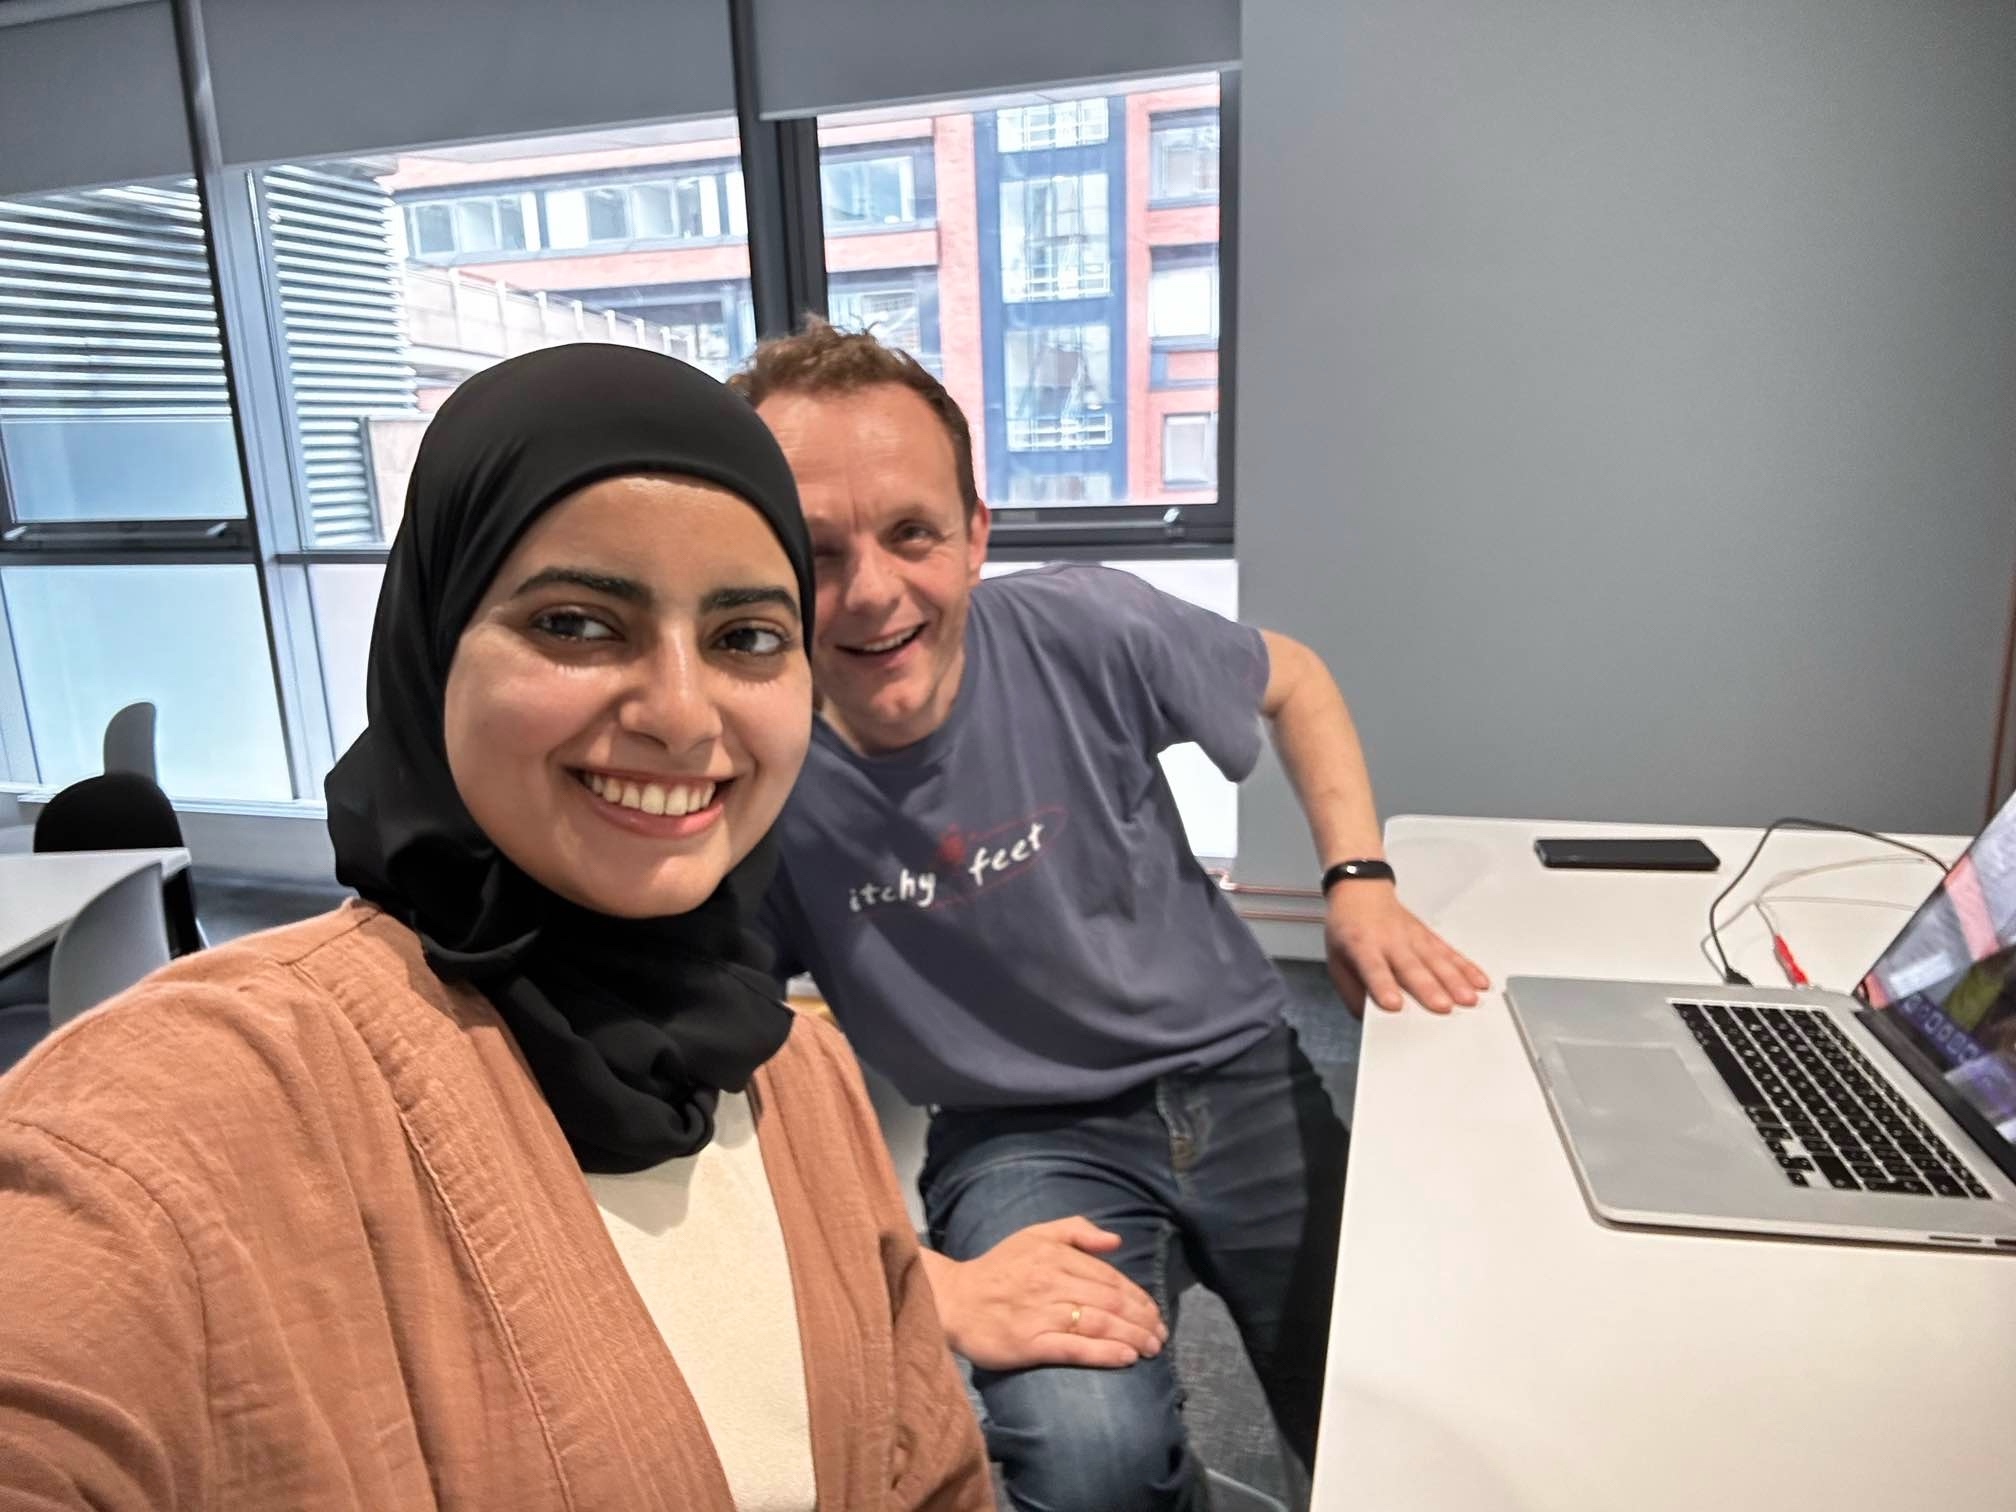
pixel 632 1026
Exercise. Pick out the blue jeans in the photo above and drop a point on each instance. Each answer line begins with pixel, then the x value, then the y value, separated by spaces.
pixel 1232 1176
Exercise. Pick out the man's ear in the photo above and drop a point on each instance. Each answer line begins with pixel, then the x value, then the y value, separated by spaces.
pixel 977 528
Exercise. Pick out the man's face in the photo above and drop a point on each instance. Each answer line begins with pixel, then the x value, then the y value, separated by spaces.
pixel 896 558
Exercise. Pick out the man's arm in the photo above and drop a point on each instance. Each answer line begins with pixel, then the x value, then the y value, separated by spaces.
pixel 1376 947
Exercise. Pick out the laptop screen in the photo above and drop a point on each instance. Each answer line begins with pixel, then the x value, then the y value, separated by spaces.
pixel 1949 980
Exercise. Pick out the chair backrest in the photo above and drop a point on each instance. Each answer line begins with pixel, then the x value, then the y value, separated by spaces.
pixel 115 940
pixel 16 833
pixel 129 741
pixel 905 1129
pixel 123 811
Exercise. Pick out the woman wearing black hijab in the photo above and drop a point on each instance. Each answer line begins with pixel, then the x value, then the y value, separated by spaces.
pixel 510 1185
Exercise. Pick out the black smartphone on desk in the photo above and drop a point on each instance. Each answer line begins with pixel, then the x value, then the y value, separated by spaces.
pixel 1627 855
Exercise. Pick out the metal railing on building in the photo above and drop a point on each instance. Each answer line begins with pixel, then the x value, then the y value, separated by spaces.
pixel 486 319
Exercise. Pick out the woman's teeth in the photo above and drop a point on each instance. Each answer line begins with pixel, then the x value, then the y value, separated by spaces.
pixel 649 797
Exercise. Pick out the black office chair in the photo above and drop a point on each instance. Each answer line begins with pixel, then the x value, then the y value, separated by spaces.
pixel 124 811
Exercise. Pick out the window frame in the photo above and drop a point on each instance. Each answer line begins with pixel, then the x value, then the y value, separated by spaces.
pixel 1023 531
pixel 778 167
pixel 197 539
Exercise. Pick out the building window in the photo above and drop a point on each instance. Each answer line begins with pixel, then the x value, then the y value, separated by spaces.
pixel 1190 451
pixel 1183 158
pixel 1183 295
pixel 1059 379
pixel 685 208
pixel 890 312
pixel 1054 238
pixel 1059 123
pixel 869 193
pixel 447 228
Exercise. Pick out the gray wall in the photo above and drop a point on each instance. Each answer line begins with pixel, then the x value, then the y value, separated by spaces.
pixel 1628 400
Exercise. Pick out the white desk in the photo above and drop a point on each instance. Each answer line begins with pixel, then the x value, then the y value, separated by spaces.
pixel 39 894
pixel 1494 1348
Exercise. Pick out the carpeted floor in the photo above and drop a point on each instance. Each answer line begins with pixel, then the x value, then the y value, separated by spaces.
pixel 1227 1415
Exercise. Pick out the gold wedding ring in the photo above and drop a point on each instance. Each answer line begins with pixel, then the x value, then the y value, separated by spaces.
pixel 1076 1314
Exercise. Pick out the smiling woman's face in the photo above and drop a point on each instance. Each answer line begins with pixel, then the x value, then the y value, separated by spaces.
pixel 630 704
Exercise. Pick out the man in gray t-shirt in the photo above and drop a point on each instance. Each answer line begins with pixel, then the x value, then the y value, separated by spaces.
pixel 984 869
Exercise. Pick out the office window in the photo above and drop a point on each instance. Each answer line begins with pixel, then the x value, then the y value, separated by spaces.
pixel 189 639
pixel 1183 158
pixel 869 192
pixel 468 228
pixel 1183 294
pixel 378 332
pixel 1062 123
pixel 345 600
pixel 1033 262
pixel 1055 241
pixel 1190 451
pixel 112 396
pixel 1059 388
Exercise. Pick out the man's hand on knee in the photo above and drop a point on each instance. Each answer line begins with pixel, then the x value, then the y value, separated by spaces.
pixel 1041 1297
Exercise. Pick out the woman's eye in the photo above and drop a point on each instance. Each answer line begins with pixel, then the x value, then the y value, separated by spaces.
pixel 573 625
pixel 755 640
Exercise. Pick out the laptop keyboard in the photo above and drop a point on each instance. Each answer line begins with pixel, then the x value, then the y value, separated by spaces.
pixel 1820 1107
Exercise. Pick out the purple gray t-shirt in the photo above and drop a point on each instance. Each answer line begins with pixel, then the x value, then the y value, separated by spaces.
pixel 1008 911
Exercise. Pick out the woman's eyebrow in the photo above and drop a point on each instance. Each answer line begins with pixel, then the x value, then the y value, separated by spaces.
pixel 745 598
pixel 628 589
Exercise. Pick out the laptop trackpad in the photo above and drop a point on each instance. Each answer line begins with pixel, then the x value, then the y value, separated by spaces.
pixel 1643 1083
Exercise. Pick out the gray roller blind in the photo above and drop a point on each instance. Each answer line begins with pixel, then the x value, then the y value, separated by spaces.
pixel 295 82
pixel 820 55
pixel 90 99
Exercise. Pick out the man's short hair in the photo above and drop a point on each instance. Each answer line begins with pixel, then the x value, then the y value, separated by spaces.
pixel 823 360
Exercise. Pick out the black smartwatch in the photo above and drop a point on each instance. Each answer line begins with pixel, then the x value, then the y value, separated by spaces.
pixel 1357 871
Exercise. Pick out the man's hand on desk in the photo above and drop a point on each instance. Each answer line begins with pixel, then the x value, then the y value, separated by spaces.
pixel 1014 1306
pixel 1377 949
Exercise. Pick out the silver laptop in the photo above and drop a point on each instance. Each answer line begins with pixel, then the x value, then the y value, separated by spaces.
pixel 1887 1117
